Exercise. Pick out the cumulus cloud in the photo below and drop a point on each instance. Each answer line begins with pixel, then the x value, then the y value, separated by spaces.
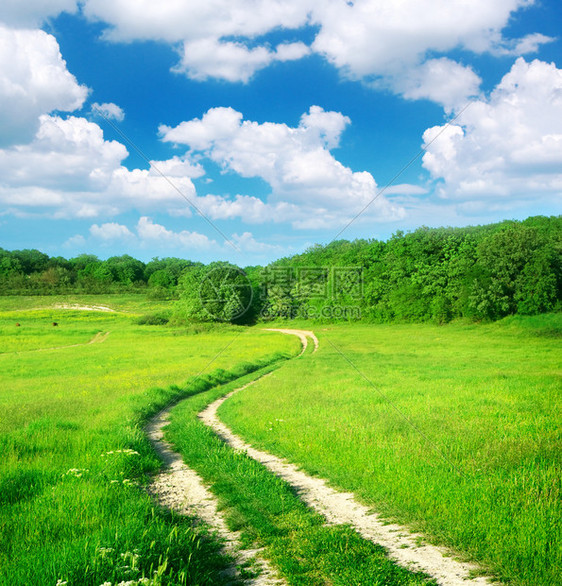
pixel 376 41
pixel 247 243
pixel 109 110
pixel 375 37
pixel 443 81
pixel 295 161
pixel 509 145
pixel 528 44
pixel 205 58
pixel 149 233
pixel 174 21
pixel 110 231
pixel 202 59
pixel 34 80
pixel 70 170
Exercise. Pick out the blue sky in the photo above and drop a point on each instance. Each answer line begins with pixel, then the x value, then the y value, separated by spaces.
pixel 248 130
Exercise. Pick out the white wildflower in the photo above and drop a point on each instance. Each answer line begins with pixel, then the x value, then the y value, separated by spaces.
pixel 76 472
pixel 126 451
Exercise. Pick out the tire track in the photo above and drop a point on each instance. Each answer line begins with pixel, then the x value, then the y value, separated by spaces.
pixel 182 490
pixel 343 508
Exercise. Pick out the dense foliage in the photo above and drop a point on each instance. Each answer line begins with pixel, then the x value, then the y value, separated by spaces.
pixel 482 272
pixel 33 272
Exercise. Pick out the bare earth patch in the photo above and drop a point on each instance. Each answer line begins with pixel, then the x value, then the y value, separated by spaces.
pixel 181 489
pixel 84 307
pixel 342 508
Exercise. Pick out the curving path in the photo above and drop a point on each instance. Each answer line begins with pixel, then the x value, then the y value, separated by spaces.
pixel 181 489
pixel 97 339
pixel 303 336
pixel 342 508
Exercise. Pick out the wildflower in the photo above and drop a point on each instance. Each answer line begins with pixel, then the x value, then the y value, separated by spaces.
pixel 128 482
pixel 104 550
pixel 62 582
pixel 76 472
pixel 126 451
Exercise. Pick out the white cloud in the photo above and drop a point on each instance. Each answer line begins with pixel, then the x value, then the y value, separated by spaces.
pixel 374 37
pixel 172 20
pixel 110 231
pixel 247 243
pixel 202 59
pixel 443 81
pixel 33 81
pixel 291 51
pixel 109 110
pixel 370 40
pixel 528 44
pixel 75 242
pixel 508 146
pixel 296 162
pixel 149 232
pixel 205 58
pixel 70 170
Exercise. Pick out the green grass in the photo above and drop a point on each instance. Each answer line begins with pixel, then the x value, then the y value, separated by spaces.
pixel 454 430
pixel 74 454
pixel 269 515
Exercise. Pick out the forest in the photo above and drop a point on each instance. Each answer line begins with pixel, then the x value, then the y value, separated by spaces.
pixel 430 274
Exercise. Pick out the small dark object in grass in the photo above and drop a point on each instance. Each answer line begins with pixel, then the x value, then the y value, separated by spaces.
pixel 17 325
pixel 55 323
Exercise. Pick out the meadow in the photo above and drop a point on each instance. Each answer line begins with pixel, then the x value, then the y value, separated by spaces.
pixel 74 454
pixel 453 430
pixel 270 516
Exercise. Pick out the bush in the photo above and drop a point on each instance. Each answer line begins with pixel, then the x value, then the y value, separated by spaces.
pixel 153 319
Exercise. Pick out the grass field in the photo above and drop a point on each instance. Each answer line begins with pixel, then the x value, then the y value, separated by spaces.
pixel 270 516
pixel 73 449
pixel 453 429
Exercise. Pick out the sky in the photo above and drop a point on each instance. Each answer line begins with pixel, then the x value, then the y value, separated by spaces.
pixel 249 130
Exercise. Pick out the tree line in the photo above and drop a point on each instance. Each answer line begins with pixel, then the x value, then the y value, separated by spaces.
pixel 430 274
pixel 32 272
pixel 482 272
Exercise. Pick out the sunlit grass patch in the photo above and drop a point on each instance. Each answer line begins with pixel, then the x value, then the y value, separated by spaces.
pixel 268 514
pixel 452 429
pixel 75 457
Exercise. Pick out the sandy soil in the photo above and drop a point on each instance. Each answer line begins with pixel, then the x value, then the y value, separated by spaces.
pixel 179 488
pixel 303 335
pixel 404 547
pixel 83 307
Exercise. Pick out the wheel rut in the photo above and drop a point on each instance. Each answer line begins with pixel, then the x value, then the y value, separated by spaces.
pixel 182 490
pixel 340 507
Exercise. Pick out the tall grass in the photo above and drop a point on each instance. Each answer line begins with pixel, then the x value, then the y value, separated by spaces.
pixel 454 430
